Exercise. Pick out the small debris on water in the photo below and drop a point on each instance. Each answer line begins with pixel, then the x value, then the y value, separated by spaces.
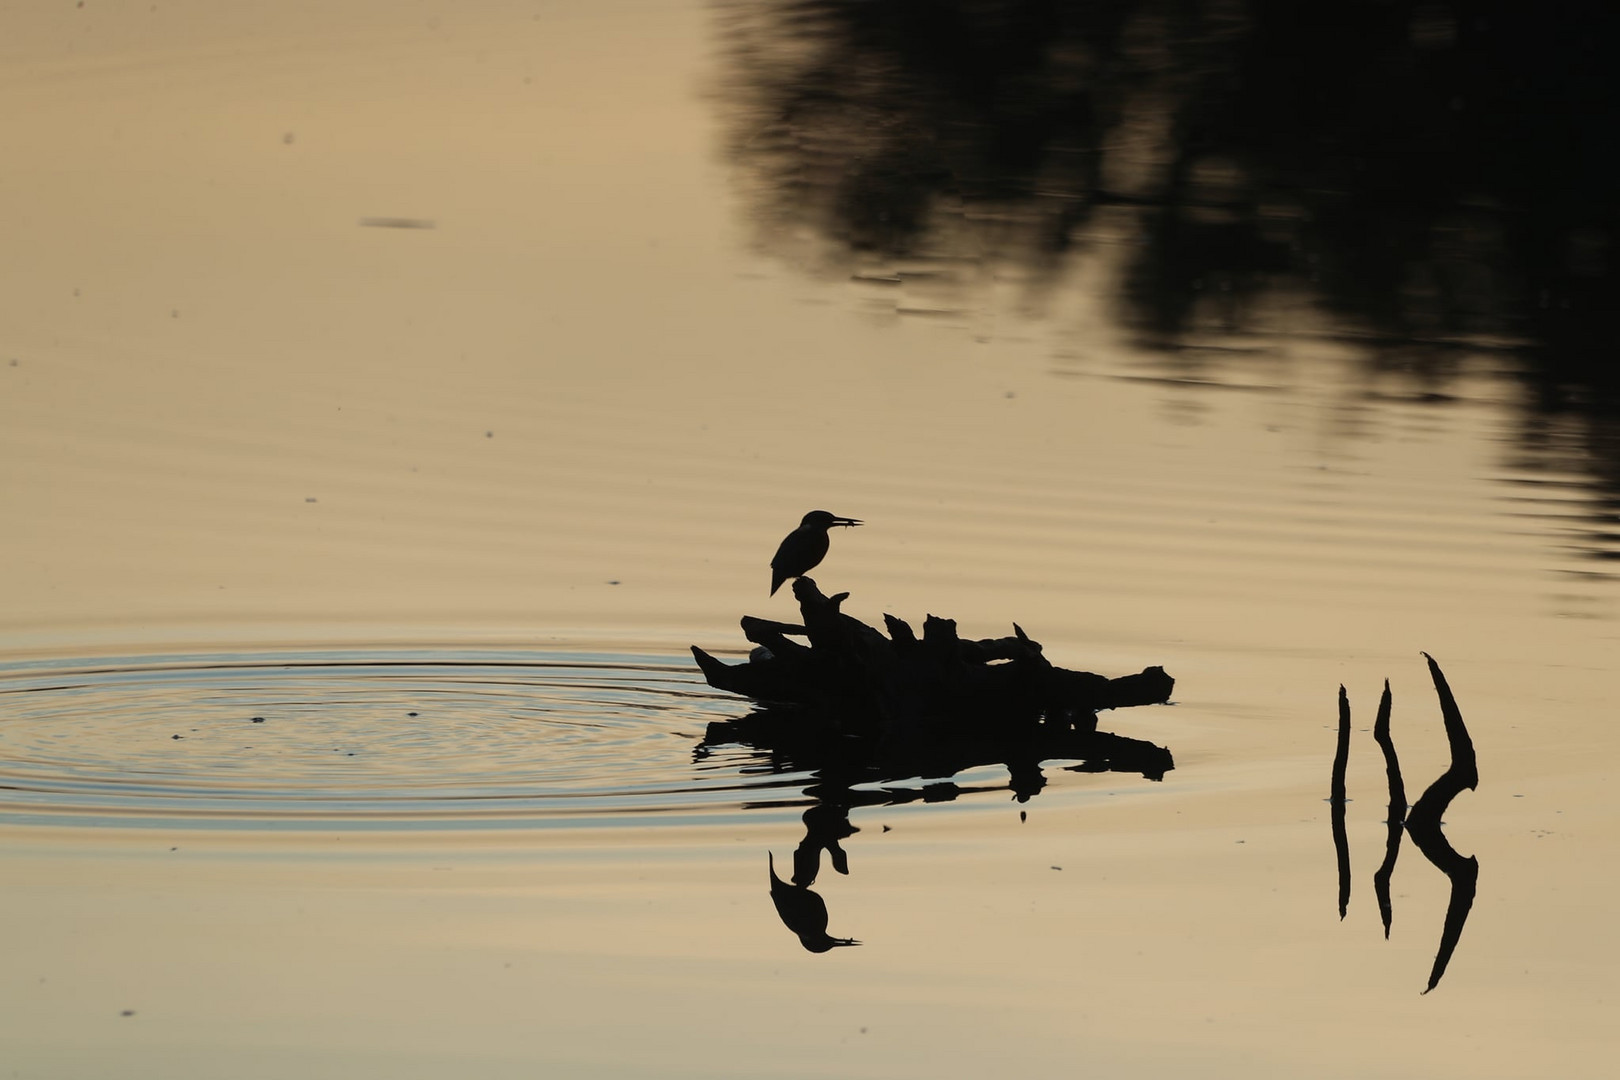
pixel 258 720
pixel 410 714
pixel 176 736
pixel 309 499
pixel 886 828
pixel 615 581
pixel 1057 867
pixel 127 1012
pixel 397 223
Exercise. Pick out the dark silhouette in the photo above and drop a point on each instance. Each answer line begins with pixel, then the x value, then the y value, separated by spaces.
pixel 804 548
pixel 869 714
pixel 1424 824
pixel 846 779
pixel 912 692
pixel 1336 796
pixel 1397 811
pixel 804 913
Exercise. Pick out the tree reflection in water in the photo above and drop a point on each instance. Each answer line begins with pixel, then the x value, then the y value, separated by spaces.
pixel 1436 178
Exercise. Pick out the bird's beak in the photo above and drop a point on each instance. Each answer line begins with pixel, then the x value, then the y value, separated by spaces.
pixel 845 521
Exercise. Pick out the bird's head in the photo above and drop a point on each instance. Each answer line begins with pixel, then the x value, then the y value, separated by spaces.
pixel 821 519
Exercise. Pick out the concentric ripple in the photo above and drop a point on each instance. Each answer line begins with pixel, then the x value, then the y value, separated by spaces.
pixel 361 739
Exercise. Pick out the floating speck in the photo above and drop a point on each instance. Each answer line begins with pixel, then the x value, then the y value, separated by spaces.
pixel 397 223
pixel 126 1012
pixel 258 719
pixel 309 499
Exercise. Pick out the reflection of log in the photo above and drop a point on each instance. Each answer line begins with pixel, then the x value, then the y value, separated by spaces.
pixel 1424 824
pixel 901 686
pixel 808 739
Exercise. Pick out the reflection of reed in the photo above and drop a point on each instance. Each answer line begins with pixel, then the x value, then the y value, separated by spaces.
pixel 1424 824
pixel 1336 796
pixel 1397 810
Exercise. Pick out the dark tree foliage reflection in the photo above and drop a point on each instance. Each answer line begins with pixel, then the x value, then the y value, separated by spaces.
pixel 1435 177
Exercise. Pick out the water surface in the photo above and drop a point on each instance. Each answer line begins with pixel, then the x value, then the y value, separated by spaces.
pixel 444 505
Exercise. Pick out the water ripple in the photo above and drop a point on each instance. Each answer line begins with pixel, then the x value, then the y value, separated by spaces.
pixel 361 739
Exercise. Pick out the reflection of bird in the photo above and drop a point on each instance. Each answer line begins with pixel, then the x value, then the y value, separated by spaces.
pixel 804 547
pixel 803 912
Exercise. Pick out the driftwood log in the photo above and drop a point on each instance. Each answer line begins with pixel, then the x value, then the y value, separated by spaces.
pixel 851 692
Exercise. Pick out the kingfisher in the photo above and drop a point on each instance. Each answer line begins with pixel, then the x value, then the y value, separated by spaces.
pixel 804 547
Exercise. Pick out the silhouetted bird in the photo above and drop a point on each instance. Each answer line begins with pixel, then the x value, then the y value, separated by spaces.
pixel 803 912
pixel 804 547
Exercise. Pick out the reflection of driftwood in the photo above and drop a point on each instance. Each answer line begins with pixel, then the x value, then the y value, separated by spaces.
pixel 806 739
pixel 1424 824
pixel 904 689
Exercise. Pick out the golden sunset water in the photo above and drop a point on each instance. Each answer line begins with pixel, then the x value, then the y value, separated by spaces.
pixel 422 382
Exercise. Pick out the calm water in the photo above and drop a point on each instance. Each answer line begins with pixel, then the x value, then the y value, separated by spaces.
pixel 389 397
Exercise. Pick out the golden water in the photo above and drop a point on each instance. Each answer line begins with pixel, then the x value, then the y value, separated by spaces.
pixel 262 455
